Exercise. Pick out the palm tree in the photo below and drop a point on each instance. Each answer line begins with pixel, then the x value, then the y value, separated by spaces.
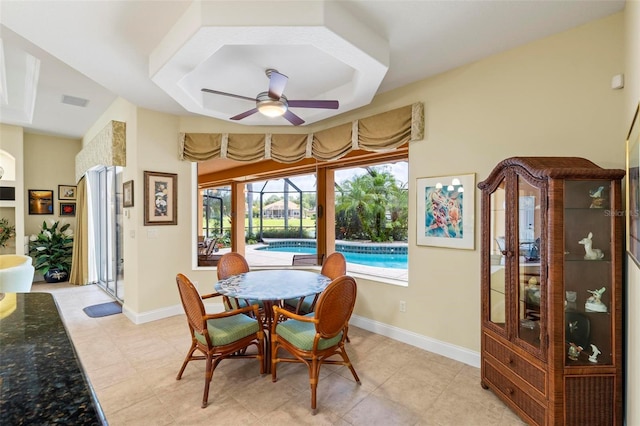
pixel 364 201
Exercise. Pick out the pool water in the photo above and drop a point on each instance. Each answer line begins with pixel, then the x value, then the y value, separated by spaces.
pixel 394 261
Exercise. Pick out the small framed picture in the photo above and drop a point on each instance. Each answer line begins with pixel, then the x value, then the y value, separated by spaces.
pixel 67 192
pixel 40 201
pixel 67 209
pixel 127 194
pixel 160 198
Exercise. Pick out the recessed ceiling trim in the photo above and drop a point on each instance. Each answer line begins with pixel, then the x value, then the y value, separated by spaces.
pixel 182 64
pixel 3 77
pixel 22 73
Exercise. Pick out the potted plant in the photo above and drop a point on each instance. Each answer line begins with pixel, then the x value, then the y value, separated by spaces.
pixel 51 251
pixel 7 231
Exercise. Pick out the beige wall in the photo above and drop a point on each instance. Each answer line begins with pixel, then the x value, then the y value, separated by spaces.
pixel 551 97
pixel 49 161
pixel 632 97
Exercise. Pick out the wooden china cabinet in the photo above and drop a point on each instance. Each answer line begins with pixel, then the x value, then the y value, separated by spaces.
pixel 552 237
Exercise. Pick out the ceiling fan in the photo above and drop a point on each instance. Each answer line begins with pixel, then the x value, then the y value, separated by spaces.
pixel 274 103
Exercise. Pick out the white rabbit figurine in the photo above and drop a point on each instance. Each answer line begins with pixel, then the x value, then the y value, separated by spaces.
pixel 590 252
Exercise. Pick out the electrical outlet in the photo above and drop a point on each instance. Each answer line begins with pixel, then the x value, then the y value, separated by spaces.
pixel 403 306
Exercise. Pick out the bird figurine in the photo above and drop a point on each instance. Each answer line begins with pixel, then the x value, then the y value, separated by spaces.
pixel 596 193
pixel 597 200
pixel 594 353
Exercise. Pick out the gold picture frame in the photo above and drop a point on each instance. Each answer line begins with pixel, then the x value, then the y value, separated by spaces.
pixel 160 198
pixel 633 188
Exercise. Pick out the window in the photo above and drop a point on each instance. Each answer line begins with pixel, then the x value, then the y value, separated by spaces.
pixel 358 207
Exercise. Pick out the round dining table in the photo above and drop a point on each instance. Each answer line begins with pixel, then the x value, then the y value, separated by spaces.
pixel 272 286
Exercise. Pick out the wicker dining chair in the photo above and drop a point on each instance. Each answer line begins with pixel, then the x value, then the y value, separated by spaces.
pixel 333 267
pixel 312 339
pixel 229 264
pixel 218 336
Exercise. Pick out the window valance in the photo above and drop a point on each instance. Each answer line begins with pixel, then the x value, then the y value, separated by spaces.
pixel 107 148
pixel 380 132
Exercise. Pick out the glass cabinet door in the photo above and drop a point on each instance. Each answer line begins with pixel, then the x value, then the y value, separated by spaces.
pixel 497 302
pixel 528 260
pixel 588 272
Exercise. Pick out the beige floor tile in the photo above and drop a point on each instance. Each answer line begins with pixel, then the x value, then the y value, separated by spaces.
pixel 376 410
pixel 133 370
pixel 149 411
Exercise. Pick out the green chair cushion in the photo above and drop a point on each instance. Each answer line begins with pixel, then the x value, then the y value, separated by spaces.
pixel 301 334
pixel 243 303
pixel 224 331
pixel 306 303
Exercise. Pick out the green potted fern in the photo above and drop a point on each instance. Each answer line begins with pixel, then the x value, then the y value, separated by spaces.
pixel 51 250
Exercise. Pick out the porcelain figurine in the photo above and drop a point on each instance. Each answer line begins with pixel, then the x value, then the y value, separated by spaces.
pixel 597 200
pixel 593 303
pixel 570 303
pixel 594 353
pixel 574 351
pixel 590 252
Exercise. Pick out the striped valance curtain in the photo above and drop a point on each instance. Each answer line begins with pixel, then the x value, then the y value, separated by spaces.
pixel 380 132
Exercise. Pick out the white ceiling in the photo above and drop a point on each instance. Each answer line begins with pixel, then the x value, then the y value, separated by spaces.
pixel 159 54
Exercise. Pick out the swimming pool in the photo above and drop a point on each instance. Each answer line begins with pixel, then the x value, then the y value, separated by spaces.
pixel 377 256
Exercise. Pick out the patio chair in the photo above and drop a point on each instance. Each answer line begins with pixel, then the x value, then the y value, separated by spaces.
pixel 333 267
pixel 207 257
pixel 307 259
pixel 218 336
pixel 312 339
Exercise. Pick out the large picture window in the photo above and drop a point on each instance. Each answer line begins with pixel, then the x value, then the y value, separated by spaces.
pixel 359 208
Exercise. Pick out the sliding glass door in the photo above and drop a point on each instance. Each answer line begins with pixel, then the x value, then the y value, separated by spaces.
pixel 106 217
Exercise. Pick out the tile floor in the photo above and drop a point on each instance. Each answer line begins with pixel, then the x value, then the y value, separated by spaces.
pixel 133 367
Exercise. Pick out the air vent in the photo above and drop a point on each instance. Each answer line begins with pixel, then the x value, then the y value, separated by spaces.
pixel 72 100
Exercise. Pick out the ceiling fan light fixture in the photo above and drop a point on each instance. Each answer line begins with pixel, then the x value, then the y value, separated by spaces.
pixel 272 108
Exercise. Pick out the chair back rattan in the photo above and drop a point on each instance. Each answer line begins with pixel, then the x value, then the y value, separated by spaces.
pixel 334 266
pixel 335 306
pixel 192 303
pixel 231 264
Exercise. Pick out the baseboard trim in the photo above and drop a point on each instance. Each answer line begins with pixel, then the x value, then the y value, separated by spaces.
pixel 167 312
pixel 448 350
pixel 154 315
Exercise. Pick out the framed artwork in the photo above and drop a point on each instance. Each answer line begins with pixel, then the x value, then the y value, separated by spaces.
pixel 160 198
pixel 67 192
pixel 127 194
pixel 67 209
pixel 40 201
pixel 633 188
pixel 446 211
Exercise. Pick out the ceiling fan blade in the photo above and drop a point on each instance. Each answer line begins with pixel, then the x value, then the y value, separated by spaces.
pixel 244 114
pixel 314 104
pixel 277 83
pixel 292 118
pixel 215 92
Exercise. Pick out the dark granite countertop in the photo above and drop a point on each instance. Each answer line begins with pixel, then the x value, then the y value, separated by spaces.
pixel 41 379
